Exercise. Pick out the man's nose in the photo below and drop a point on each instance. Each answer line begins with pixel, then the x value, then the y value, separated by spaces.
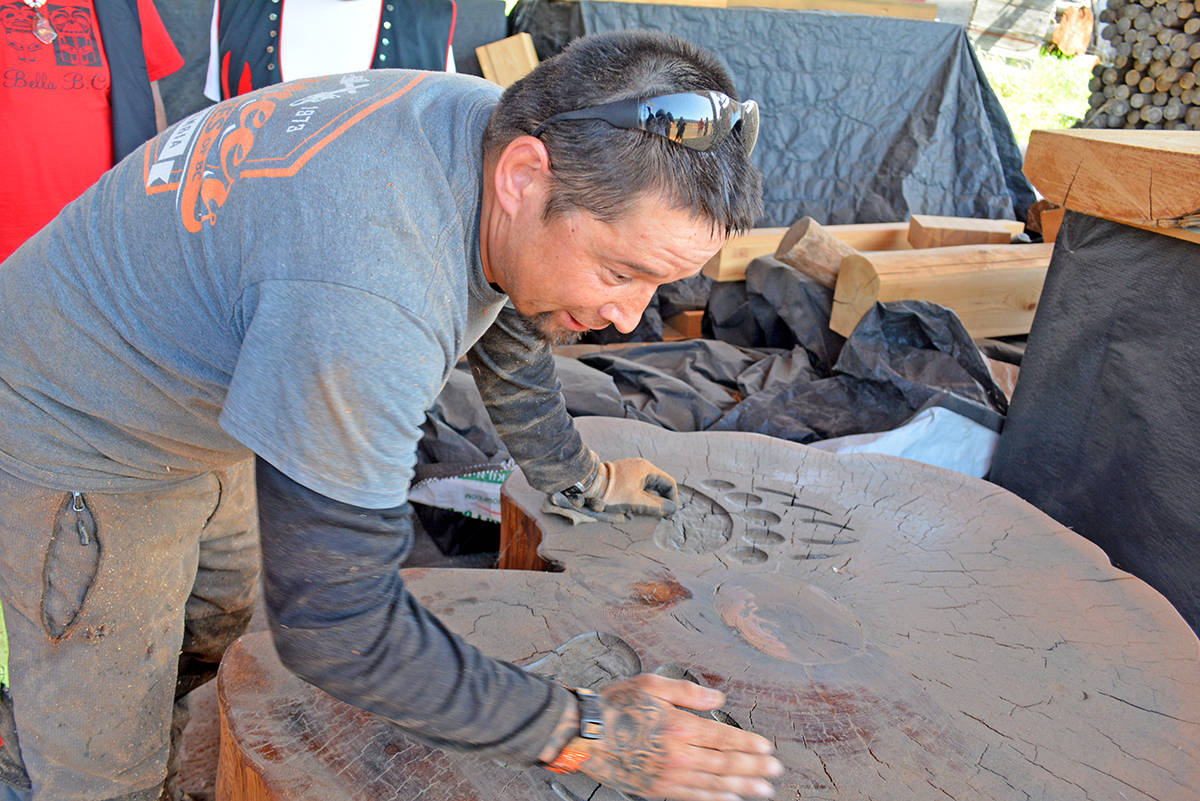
pixel 627 312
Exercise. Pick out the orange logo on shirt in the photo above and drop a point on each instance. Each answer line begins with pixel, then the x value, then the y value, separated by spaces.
pixel 204 156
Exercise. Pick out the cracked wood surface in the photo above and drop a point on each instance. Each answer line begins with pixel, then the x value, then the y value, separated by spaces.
pixel 901 632
pixel 1143 178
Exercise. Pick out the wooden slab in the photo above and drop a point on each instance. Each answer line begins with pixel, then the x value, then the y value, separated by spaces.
pixel 994 289
pixel 902 633
pixel 1150 179
pixel 507 61
pixel 929 231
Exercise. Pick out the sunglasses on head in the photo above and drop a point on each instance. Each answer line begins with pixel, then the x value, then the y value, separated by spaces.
pixel 696 120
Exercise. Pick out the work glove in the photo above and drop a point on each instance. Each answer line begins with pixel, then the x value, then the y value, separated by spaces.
pixel 633 486
pixel 626 486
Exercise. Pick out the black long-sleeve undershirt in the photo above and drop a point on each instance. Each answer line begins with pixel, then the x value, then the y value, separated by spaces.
pixel 343 620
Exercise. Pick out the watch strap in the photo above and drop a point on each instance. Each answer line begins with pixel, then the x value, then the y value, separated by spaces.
pixel 578 491
pixel 591 715
pixel 591 727
pixel 571 758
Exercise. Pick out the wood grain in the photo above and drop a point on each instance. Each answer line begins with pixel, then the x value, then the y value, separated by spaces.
pixel 731 261
pixel 507 61
pixel 994 289
pixel 901 632
pixel 739 250
pixel 1145 178
pixel 685 325
pixel 810 248
pixel 929 231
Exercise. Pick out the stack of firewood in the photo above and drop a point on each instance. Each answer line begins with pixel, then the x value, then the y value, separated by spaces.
pixel 1152 79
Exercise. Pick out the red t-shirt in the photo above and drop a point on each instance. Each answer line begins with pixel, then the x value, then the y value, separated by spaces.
pixel 55 119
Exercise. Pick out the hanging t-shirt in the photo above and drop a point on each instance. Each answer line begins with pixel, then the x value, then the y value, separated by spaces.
pixel 55 118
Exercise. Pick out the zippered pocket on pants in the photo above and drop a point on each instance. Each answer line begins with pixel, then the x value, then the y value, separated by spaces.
pixel 72 561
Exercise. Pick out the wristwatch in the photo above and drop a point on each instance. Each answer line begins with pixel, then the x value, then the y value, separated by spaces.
pixel 591 727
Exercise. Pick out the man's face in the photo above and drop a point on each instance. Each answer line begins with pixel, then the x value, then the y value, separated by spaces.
pixel 574 273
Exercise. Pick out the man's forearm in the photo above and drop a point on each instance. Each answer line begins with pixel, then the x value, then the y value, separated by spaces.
pixel 343 621
pixel 514 371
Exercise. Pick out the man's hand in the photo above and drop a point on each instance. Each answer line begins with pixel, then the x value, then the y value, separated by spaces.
pixel 653 749
pixel 635 486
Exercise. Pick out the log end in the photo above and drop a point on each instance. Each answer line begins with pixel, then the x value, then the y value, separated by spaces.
pixel 856 292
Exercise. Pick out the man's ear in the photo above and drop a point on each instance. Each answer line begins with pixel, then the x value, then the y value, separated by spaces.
pixel 522 174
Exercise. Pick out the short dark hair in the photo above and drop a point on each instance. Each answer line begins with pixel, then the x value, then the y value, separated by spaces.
pixel 602 169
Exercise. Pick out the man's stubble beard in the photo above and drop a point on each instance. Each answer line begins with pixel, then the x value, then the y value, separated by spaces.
pixel 550 333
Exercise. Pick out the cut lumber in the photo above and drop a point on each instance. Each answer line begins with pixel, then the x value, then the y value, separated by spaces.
pixel 927 231
pixel 507 61
pixel 731 261
pixel 1149 179
pixel 811 249
pixel 1051 222
pixel 994 289
pixel 685 324
pixel 873 236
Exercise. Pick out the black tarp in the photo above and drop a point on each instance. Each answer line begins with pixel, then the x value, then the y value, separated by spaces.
pixel 864 118
pixel 802 384
pixel 1104 432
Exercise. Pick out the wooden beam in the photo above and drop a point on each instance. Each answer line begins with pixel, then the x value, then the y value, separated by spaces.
pixel 928 231
pixel 1051 222
pixel 994 289
pixel 1148 179
pixel 873 236
pixel 685 324
pixel 731 261
pixel 507 61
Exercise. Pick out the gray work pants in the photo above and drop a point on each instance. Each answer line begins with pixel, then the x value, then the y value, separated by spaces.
pixel 116 605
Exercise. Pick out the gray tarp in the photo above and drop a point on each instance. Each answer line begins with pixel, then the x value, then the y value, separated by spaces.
pixel 864 118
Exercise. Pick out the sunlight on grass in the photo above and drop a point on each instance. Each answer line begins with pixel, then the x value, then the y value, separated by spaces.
pixel 1041 92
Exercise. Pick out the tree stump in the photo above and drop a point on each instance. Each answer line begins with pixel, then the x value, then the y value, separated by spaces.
pixel 902 632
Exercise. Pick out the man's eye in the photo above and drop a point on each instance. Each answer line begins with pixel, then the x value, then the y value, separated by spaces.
pixel 618 278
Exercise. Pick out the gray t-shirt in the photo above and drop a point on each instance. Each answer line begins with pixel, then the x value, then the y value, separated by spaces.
pixel 294 271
